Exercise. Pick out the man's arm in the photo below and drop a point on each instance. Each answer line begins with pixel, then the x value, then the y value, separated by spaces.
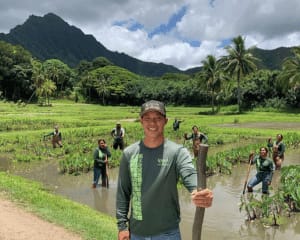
pixel 204 137
pixel 186 169
pixel 282 150
pixel 112 133
pixel 188 137
pixel 49 134
pixel 122 132
pixel 123 195
pixel 59 136
pixel 270 175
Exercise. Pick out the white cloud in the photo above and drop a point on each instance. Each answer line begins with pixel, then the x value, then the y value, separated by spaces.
pixel 266 24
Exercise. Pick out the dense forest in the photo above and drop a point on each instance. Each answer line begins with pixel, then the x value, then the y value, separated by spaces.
pixel 231 79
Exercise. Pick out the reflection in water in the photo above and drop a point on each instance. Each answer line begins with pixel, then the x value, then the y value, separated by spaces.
pixel 100 199
pixel 5 162
pixel 221 222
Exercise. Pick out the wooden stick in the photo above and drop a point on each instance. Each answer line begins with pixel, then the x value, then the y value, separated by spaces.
pixel 107 179
pixel 201 184
pixel 248 172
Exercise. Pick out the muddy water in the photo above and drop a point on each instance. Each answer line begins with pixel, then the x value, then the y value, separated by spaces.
pixel 222 221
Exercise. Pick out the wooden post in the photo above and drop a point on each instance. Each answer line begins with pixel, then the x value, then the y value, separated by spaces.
pixel 201 184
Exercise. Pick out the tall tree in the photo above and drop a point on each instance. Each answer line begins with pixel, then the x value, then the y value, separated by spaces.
pixel 58 72
pixel 15 71
pixel 239 62
pixel 213 76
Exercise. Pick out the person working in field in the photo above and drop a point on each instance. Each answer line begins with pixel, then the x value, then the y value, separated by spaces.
pixel 176 124
pixel 265 169
pixel 278 149
pixel 197 137
pixel 118 134
pixel 101 155
pixel 147 183
pixel 56 137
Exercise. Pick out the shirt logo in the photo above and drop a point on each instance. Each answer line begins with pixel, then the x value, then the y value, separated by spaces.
pixel 162 162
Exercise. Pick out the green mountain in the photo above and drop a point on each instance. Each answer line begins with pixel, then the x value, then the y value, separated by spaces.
pixel 51 37
pixel 271 59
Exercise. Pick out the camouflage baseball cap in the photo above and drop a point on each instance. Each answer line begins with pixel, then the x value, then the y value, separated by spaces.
pixel 153 105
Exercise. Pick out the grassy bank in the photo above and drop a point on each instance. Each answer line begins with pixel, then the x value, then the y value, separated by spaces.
pixel 88 223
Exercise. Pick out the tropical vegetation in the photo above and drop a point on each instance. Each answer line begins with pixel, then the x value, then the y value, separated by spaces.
pixel 234 78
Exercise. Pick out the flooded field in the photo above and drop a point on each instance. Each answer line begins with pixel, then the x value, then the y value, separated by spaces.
pixel 222 221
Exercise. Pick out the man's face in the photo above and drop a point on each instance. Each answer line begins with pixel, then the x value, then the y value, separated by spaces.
pixel 195 129
pixel 263 152
pixel 278 137
pixel 153 124
pixel 102 144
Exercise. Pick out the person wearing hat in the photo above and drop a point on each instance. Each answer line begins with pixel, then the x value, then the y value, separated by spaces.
pixel 56 137
pixel 118 134
pixel 147 182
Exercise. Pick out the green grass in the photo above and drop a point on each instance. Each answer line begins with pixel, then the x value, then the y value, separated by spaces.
pixel 81 219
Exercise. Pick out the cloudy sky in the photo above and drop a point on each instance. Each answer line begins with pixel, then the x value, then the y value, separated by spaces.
pixel 176 32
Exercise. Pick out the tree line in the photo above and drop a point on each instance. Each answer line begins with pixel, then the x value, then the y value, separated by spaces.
pixel 231 79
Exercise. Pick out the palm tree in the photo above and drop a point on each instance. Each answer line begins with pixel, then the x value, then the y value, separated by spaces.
pixel 102 87
pixel 290 75
pixel 38 76
pixel 239 61
pixel 213 75
pixel 47 89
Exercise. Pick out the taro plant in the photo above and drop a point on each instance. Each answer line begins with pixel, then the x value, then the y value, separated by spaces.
pixel 290 178
pixel 271 210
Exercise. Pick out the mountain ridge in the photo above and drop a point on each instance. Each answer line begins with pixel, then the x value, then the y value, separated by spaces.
pixel 51 37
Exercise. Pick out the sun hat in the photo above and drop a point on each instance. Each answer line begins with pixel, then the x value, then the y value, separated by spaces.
pixel 153 105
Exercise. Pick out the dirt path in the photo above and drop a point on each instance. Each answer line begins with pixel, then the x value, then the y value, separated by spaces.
pixel 17 224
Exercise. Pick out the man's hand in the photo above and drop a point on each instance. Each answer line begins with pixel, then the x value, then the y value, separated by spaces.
pixel 202 198
pixel 124 235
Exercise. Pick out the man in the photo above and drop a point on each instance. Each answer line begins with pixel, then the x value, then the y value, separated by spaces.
pixel 101 155
pixel 265 169
pixel 278 149
pixel 197 137
pixel 56 137
pixel 148 177
pixel 118 134
pixel 176 124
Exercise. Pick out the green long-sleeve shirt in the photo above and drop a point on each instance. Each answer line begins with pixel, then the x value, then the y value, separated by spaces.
pixel 148 180
pixel 265 165
pixel 100 156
